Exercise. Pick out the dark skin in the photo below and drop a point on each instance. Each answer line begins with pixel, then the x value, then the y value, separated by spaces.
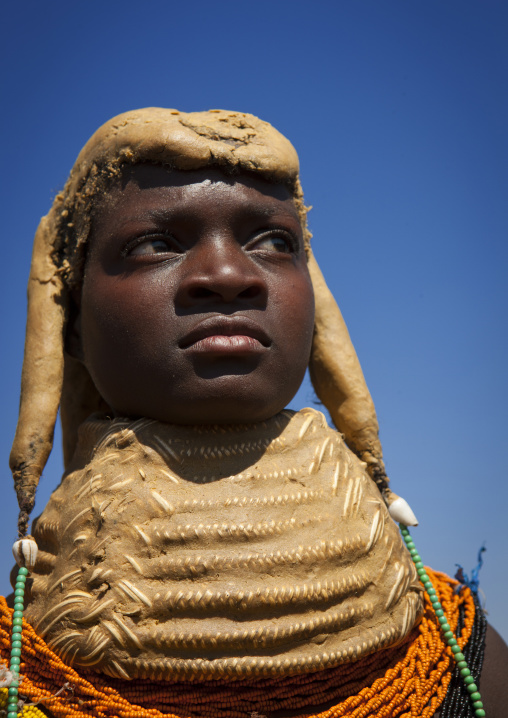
pixel 197 307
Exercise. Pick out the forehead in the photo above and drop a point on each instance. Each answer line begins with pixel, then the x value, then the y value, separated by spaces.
pixel 150 186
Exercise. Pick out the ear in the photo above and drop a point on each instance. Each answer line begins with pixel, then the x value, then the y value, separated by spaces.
pixel 79 397
pixel 72 342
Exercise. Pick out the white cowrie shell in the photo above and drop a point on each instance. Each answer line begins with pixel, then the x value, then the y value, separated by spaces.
pixel 402 513
pixel 25 552
pixel 6 677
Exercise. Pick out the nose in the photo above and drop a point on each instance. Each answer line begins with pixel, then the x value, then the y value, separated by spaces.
pixel 221 272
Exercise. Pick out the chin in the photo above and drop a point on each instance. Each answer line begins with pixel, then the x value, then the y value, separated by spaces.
pixel 229 410
pixel 232 407
pixel 231 399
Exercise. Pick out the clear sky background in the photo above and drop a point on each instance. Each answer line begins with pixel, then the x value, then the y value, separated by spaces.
pixel 399 112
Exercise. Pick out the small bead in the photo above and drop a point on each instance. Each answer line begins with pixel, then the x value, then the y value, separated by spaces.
pixel 12 691
pixel 458 656
pixel 17 614
pixel 418 564
pixel 19 605
pixel 475 696
pixel 16 627
pixel 442 620
pixel 19 592
pixel 479 713
pixel 439 612
pixel 12 714
pixel 451 641
pixel 23 571
pixel 16 644
pixel 455 649
pixel 448 635
pixel 470 687
pixel 15 652
pixel 477 704
pixel 445 627
pixel 421 572
pixel 465 672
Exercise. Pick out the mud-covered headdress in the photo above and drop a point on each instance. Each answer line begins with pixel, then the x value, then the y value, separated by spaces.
pixel 231 141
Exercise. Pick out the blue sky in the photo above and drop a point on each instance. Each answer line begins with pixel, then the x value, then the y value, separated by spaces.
pixel 398 110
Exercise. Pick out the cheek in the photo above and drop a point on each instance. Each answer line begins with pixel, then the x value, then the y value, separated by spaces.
pixel 296 316
pixel 119 322
pixel 300 304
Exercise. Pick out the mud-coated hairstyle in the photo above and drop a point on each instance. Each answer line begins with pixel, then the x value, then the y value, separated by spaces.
pixel 231 141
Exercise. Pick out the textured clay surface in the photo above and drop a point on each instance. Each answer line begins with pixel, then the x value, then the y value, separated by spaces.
pixel 208 552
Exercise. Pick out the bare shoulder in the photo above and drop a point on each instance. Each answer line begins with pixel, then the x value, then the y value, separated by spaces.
pixel 494 678
pixel 493 682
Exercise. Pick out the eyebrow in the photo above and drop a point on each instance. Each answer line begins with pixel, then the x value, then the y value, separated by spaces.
pixel 165 215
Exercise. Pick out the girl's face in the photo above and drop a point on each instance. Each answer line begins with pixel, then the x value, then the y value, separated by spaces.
pixel 197 305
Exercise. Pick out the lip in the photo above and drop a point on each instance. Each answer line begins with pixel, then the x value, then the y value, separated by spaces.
pixel 226 334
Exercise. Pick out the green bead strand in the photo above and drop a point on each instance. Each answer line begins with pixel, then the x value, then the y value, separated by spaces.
pixel 17 623
pixel 450 639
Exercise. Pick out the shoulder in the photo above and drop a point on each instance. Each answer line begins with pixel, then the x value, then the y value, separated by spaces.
pixel 494 677
pixel 493 682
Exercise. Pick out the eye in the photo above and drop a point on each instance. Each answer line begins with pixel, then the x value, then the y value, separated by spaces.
pixel 152 245
pixel 280 241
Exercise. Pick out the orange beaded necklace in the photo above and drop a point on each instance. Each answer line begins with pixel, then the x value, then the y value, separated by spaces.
pixel 407 680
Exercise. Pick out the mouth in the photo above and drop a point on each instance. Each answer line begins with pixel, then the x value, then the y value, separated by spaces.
pixel 226 335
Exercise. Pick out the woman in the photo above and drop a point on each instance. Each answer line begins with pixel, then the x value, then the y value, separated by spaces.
pixel 202 534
